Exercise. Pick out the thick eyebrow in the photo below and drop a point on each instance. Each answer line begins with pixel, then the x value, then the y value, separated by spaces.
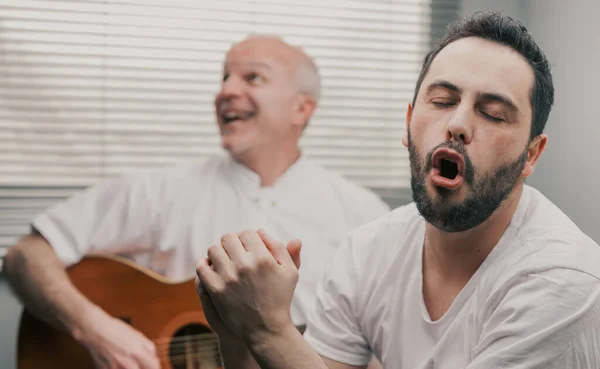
pixel 445 85
pixel 499 98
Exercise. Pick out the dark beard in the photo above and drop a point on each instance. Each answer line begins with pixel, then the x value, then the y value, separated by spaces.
pixel 485 196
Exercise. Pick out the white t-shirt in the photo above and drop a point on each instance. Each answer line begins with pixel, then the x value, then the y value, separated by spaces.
pixel 166 219
pixel 533 303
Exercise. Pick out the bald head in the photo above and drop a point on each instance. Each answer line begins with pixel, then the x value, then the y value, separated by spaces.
pixel 302 66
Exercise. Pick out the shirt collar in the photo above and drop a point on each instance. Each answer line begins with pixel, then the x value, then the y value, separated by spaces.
pixel 250 180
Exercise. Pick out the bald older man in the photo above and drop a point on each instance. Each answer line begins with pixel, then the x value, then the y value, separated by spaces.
pixel 171 216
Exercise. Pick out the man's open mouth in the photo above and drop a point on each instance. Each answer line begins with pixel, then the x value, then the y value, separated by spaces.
pixel 228 117
pixel 448 168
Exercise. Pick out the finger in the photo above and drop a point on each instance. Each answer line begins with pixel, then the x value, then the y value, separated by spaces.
pixel 294 247
pixel 130 363
pixel 276 248
pixel 252 242
pixel 220 261
pixel 233 246
pixel 207 277
pixel 149 346
pixel 148 360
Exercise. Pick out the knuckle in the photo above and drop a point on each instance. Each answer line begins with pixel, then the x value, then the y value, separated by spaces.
pixel 247 233
pixel 213 249
pixel 231 279
pixel 246 267
pixel 219 290
pixel 226 237
pixel 264 260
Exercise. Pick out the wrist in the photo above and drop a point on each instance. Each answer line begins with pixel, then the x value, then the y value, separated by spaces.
pixel 233 348
pixel 261 338
pixel 86 323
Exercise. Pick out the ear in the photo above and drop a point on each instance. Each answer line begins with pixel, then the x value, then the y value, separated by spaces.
pixel 304 109
pixel 408 118
pixel 536 147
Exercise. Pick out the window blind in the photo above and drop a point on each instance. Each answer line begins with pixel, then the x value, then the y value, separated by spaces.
pixel 93 89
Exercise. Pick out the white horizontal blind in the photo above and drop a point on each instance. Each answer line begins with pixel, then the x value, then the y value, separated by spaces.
pixel 91 89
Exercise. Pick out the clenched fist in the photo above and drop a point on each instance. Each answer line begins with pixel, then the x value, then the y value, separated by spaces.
pixel 246 284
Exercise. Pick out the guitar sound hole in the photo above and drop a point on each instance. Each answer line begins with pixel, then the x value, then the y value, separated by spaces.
pixel 194 346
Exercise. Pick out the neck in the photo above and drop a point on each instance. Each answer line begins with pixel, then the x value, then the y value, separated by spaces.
pixel 457 256
pixel 270 165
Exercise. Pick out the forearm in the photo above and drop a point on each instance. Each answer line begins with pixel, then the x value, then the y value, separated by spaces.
pixel 287 350
pixel 39 279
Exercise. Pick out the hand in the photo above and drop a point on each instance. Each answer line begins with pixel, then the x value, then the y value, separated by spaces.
pixel 212 316
pixel 114 344
pixel 250 283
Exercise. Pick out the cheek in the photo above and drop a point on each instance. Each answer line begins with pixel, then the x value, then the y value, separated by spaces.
pixel 494 151
pixel 427 130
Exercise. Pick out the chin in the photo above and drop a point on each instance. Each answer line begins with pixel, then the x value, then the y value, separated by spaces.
pixel 235 149
pixel 456 196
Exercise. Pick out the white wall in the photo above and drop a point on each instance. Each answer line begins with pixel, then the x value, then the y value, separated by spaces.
pixel 513 8
pixel 568 172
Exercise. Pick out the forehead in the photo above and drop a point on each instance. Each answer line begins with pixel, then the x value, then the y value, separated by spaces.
pixel 263 53
pixel 482 66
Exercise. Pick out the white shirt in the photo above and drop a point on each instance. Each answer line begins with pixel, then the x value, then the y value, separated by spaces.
pixel 166 219
pixel 533 303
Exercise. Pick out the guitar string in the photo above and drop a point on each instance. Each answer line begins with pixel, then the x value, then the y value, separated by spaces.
pixel 192 344
pixel 195 351
pixel 201 336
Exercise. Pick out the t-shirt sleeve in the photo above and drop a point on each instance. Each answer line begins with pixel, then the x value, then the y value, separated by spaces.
pixel 374 208
pixel 548 320
pixel 333 329
pixel 119 215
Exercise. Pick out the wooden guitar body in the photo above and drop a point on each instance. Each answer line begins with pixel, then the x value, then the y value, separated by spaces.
pixel 169 314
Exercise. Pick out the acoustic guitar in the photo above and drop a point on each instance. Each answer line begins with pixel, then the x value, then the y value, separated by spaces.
pixel 168 313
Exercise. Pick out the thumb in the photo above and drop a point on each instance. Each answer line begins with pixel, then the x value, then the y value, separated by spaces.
pixel 294 247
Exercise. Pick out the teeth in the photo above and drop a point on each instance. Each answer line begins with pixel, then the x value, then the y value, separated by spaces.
pixel 231 115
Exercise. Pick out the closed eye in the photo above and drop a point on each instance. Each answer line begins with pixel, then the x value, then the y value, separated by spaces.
pixel 440 104
pixel 491 117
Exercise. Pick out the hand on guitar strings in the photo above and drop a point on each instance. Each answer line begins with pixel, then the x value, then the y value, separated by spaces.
pixel 116 345
pixel 246 285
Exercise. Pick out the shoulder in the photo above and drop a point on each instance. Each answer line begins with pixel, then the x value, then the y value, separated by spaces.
pixel 545 238
pixel 546 254
pixel 551 315
pixel 178 174
pixel 356 197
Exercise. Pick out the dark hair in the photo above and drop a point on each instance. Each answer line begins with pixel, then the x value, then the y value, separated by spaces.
pixel 504 30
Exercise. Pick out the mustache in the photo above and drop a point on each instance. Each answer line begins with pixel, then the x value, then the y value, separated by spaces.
pixel 469 174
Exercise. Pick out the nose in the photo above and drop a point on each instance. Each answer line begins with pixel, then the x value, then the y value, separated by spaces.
pixel 232 87
pixel 460 125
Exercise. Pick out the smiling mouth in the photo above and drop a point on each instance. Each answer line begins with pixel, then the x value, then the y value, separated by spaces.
pixel 230 117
